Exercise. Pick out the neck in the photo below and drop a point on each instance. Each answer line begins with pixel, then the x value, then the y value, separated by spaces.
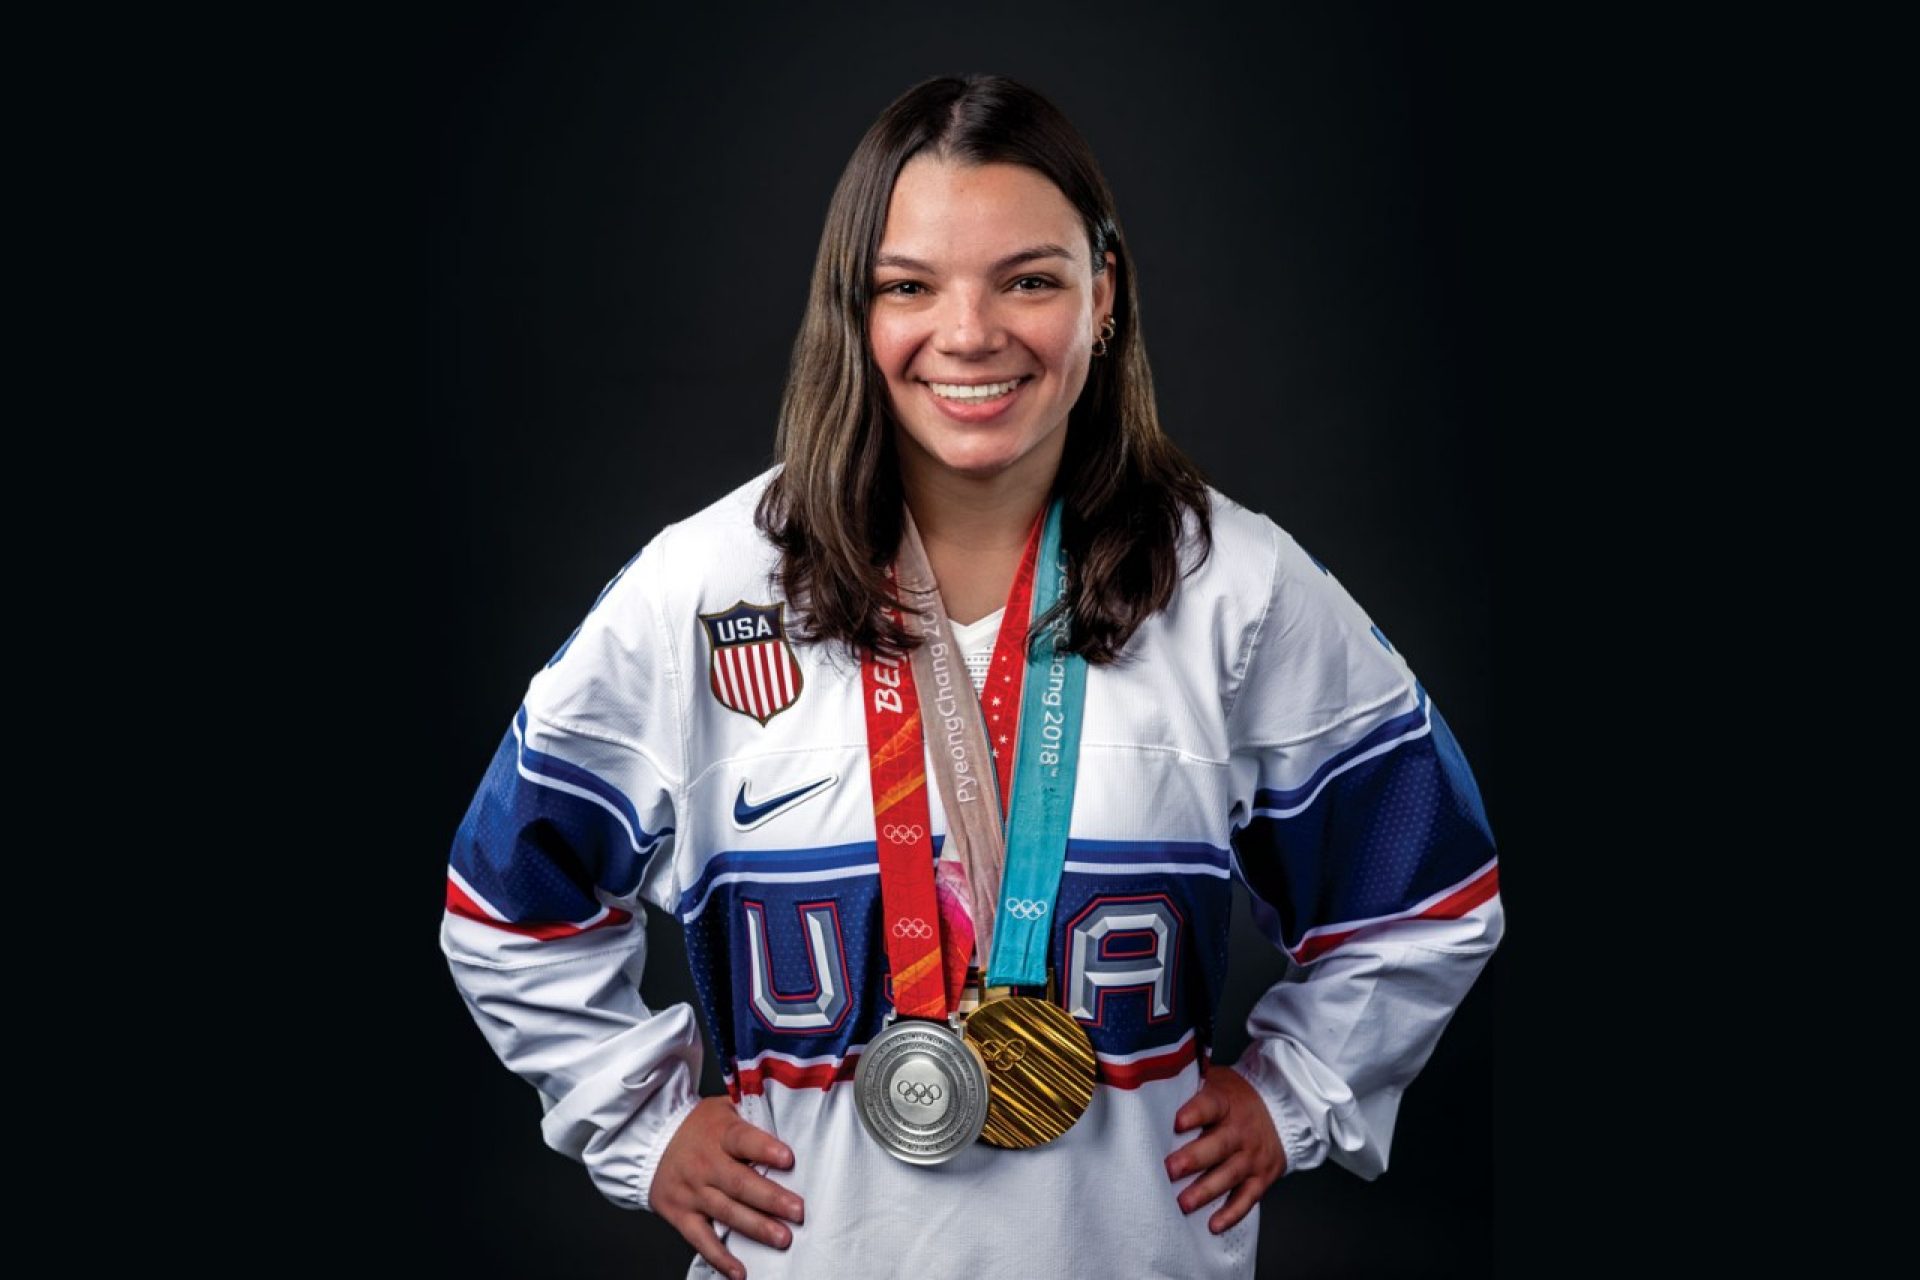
pixel 991 524
pixel 974 530
pixel 979 515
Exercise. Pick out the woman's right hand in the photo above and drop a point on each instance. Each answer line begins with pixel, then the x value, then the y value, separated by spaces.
pixel 705 1175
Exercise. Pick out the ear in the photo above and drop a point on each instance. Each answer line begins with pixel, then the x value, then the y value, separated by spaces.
pixel 1103 290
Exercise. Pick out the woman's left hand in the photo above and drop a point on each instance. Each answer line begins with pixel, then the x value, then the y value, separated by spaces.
pixel 1240 1150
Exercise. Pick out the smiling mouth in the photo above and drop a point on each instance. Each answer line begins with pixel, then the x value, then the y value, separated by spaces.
pixel 962 393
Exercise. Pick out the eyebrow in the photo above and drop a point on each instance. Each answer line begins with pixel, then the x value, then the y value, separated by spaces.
pixel 1011 260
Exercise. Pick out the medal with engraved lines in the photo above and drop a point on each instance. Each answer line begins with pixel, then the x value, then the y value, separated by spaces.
pixel 1041 1066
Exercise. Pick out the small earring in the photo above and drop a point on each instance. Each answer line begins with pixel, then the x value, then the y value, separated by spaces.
pixel 1107 328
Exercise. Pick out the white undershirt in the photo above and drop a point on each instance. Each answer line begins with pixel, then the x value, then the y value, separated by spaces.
pixel 976 644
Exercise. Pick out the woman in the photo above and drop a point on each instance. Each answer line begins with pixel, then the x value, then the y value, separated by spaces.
pixel 759 727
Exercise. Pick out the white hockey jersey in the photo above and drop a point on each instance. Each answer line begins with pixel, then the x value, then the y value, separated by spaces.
pixel 679 750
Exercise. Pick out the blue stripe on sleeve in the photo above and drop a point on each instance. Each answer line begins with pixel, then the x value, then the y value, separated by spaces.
pixel 1466 790
pixel 1400 726
pixel 535 848
pixel 1379 837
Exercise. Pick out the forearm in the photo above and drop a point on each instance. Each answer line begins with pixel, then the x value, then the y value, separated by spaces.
pixel 615 1078
pixel 1333 1051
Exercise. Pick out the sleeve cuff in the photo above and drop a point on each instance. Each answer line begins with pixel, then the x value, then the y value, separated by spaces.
pixel 618 1121
pixel 649 1162
pixel 1305 1149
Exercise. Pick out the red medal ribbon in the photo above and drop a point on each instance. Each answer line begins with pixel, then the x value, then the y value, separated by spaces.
pixel 903 836
pixel 1007 675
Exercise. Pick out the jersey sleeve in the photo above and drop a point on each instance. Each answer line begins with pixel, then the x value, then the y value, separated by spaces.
pixel 1362 839
pixel 569 834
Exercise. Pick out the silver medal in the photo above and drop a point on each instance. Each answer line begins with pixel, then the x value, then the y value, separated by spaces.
pixel 921 1088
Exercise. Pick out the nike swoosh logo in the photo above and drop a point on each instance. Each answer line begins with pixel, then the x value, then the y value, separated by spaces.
pixel 748 815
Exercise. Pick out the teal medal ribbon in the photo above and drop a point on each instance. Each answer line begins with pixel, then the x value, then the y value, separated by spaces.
pixel 1046 758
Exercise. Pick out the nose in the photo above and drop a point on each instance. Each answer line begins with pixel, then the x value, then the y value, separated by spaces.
pixel 969 323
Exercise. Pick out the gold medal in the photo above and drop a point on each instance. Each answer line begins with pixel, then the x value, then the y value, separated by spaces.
pixel 1040 1067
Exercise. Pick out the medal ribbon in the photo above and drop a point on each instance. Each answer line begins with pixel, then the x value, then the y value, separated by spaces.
pixel 973 856
pixel 1007 676
pixel 1046 758
pixel 918 906
pixel 903 838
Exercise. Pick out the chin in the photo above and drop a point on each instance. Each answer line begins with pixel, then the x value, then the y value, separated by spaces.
pixel 983 454
pixel 975 466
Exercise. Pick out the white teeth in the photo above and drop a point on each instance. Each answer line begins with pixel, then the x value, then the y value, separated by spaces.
pixel 952 391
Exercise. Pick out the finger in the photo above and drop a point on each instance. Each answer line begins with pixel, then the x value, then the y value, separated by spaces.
pixel 1244 1197
pixel 745 1141
pixel 706 1242
pixel 751 1187
pixel 721 1207
pixel 1205 1107
pixel 1205 1151
pixel 1215 1183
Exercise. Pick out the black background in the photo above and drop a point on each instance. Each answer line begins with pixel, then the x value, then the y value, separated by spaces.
pixel 1373 246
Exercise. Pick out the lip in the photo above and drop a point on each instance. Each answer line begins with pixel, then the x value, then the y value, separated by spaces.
pixel 984 411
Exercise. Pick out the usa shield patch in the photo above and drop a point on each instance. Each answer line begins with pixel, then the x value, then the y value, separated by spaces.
pixel 750 666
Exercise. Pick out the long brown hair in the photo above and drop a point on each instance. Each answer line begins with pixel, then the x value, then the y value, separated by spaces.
pixel 834 505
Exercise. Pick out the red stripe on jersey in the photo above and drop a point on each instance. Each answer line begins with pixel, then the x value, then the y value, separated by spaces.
pixel 467 909
pixel 820 1075
pixel 1163 1066
pixel 824 1075
pixel 1452 907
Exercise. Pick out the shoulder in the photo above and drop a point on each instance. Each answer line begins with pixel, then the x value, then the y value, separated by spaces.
pixel 1223 597
pixel 1263 558
pixel 1238 530
pixel 689 562
pixel 718 541
pixel 1276 609
pixel 1249 556
pixel 707 555
pixel 1308 649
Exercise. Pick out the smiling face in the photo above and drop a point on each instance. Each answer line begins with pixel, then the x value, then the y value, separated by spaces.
pixel 983 278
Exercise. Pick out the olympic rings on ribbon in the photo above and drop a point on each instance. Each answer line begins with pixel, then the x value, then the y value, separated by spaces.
pixel 1025 908
pixel 914 928
pixel 902 833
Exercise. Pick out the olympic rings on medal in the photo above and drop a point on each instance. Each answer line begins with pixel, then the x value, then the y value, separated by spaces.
pixel 1025 908
pixel 914 928
pixel 902 832
pixel 923 1094
pixel 1003 1055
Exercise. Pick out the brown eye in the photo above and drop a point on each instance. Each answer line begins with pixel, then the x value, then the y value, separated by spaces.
pixel 1042 281
pixel 899 284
